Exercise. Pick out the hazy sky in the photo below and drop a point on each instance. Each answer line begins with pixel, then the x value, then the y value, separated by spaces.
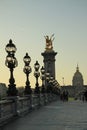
pixel 26 22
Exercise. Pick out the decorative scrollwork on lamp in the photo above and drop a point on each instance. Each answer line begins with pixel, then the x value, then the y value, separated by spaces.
pixel 11 62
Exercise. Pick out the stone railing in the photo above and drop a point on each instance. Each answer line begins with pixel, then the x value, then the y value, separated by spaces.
pixel 14 107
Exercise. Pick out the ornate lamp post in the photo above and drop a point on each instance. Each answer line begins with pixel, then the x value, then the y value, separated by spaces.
pixel 27 70
pixel 11 62
pixel 37 74
pixel 47 80
pixel 43 79
pixel 51 83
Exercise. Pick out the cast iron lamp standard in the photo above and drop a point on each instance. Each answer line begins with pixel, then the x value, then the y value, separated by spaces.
pixel 37 74
pixel 47 81
pixel 43 79
pixel 27 70
pixel 11 62
pixel 51 83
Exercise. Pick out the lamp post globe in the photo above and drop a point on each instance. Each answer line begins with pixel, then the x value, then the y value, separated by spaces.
pixel 10 47
pixel 27 59
pixel 36 66
pixel 11 62
pixel 42 70
pixel 27 70
pixel 37 74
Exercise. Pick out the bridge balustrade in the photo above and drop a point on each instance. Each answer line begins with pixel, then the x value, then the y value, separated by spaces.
pixel 14 107
pixel 35 101
pixel 7 110
pixel 23 105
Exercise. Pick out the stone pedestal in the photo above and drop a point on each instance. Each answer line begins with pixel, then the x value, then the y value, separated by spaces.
pixel 49 61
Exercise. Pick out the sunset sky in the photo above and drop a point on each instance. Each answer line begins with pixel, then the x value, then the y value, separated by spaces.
pixel 26 22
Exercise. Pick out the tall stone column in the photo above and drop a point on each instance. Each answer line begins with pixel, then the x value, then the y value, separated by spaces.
pixel 49 56
pixel 49 62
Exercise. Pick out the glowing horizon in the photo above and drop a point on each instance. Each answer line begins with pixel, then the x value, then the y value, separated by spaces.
pixel 26 22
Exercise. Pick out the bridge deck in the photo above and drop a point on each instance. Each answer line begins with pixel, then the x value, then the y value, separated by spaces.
pixel 59 115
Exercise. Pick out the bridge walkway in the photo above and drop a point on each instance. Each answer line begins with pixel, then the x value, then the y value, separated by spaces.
pixel 71 115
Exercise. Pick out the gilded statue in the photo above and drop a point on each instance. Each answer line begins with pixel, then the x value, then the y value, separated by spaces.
pixel 49 41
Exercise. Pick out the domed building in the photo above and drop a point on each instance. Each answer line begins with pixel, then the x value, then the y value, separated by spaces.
pixel 78 81
pixel 75 90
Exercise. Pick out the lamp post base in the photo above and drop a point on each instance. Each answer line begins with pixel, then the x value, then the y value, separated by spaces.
pixel 37 90
pixel 12 91
pixel 28 90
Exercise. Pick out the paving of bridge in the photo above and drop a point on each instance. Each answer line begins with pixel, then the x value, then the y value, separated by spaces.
pixel 71 115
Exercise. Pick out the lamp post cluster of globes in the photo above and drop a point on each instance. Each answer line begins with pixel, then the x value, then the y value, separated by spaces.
pixel 11 62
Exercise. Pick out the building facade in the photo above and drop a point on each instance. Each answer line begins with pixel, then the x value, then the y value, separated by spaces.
pixel 78 81
pixel 77 86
